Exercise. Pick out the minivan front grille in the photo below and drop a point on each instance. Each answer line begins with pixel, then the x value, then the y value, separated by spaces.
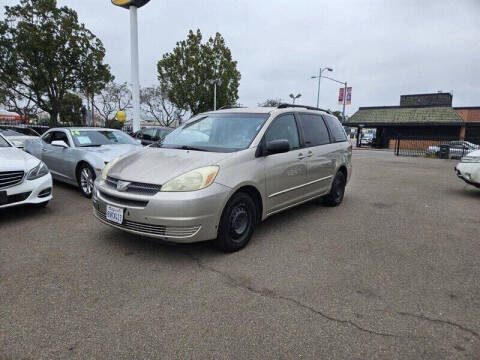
pixel 122 201
pixel 135 187
pixel 10 178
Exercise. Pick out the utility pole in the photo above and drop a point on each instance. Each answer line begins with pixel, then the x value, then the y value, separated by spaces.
pixel 134 64
pixel 319 77
pixel 132 6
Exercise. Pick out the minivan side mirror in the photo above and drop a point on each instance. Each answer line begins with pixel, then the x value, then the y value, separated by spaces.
pixel 59 143
pixel 278 146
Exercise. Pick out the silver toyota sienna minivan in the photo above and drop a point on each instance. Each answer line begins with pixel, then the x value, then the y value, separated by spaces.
pixel 222 172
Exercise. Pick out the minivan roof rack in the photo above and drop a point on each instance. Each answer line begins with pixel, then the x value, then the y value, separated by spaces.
pixel 230 107
pixel 285 105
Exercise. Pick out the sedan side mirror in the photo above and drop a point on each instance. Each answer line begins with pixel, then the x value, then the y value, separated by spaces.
pixel 17 144
pixel 278 146
pixel 59 143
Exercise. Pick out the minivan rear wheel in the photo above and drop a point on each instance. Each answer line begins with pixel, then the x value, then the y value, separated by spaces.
pixel 236 223
pixel 337 191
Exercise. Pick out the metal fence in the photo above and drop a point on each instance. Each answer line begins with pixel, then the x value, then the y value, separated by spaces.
pixel 441 148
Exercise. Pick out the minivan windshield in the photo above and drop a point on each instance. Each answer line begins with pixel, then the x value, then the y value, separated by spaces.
pixel 217 132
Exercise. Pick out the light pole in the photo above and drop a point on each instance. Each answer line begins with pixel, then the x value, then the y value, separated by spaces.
pixel 215 83
pixel 133 5
pixel 294 97
pixel 319 77
pixel 344 92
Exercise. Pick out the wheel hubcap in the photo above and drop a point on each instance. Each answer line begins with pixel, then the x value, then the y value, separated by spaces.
pixel 239 221
pixel 86 181
pixel 339 189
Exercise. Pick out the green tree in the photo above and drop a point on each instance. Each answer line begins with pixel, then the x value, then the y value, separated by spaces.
pixel 154 104
pixel 271 103
pixel 46 53
pixel 339 115
pixel 112 99
pixel 186 74
pixel 71 109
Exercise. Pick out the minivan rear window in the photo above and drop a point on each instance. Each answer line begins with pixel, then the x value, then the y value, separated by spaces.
pixel 336 129
pixel 314 130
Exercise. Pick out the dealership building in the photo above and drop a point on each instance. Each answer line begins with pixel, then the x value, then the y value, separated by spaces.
pixel 419 116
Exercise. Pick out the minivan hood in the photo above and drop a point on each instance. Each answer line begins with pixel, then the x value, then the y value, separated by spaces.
pixel 110 152
pixel 13 159
pixel 157 166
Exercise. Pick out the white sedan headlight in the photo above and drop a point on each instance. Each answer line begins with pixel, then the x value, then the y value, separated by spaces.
pixel 38 171
pixel 107 168
pixel 193 180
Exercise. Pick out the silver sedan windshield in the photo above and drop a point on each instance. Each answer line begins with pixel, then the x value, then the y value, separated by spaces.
pixel 89 138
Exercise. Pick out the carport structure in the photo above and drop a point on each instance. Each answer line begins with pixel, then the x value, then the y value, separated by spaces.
pixel 398 122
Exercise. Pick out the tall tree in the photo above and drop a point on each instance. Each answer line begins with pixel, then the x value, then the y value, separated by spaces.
pixel 46 53
pixel 154 104
pixel 187 73
pixel 115 97
pixel 24 107
pixel 271 103
pixel 71 109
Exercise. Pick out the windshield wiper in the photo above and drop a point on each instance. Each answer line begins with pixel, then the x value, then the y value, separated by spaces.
pixel 188 147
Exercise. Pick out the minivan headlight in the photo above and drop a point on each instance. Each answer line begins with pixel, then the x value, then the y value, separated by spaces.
pixel 107 168
pixel 193 180
pixel 38 171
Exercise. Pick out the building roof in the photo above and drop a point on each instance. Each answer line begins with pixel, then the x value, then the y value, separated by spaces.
pixel 396 115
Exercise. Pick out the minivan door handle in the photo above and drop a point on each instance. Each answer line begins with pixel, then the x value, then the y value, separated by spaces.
pixel 301 156
pixel 309 154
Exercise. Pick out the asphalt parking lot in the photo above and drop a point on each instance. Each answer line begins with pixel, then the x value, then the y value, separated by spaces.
pixel 391 273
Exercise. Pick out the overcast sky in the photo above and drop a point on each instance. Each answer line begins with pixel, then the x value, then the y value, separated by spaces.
pixel 383 48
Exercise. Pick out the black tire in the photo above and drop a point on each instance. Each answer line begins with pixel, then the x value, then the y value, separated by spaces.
pixel 85 182
pixel 335 196
pixel 41 205
pixel 236 223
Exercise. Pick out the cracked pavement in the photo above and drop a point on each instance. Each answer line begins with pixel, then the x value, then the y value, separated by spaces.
pixel 393 273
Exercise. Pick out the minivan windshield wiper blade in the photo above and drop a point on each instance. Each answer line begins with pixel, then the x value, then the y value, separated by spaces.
pixel 188 147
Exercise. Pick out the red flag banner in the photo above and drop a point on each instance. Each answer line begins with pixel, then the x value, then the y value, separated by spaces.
pixel 349 96
pixel 340 96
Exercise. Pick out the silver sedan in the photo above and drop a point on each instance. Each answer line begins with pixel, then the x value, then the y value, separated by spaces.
pixel 78 155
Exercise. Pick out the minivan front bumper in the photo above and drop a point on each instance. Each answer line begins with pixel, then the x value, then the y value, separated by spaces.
pixel 182 217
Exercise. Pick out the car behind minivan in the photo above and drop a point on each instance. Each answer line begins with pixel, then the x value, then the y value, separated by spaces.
pixel 224 171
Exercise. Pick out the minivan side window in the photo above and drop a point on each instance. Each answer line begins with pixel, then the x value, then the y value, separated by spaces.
pixel 336 129
pixel 314 130
pixel 284 127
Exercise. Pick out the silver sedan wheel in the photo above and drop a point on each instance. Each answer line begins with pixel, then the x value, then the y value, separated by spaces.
pixel 86 181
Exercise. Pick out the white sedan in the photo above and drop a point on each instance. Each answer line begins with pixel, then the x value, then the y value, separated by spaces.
pixel 23 178
pixel 468 169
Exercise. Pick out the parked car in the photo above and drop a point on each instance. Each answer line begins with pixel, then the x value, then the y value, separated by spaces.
pixel 18 135
pixel 78 155
pixel 367 139
pixel 150 135
pixel 468 169
pixel 222 172
pixel 23 178
pixel 457 148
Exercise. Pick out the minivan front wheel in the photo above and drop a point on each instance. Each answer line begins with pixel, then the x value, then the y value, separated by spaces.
pixel 236 223
pixel 337 191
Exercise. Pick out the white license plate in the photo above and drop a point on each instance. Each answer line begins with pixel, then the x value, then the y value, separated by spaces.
pixel 114 214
